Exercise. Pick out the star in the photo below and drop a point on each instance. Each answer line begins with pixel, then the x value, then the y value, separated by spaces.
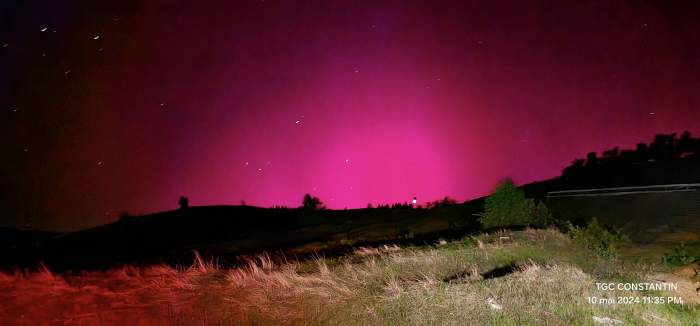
pixel 246 163
pixel 99 163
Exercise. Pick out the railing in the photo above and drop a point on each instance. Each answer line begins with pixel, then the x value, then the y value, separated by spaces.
pixel 619 191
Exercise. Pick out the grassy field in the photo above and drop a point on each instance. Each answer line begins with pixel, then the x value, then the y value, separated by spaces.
pixel 530 277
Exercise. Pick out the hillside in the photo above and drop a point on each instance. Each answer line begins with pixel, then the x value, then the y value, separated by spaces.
pixel 668 159
pixel 530 277
pixel 229 231
pixel 385 265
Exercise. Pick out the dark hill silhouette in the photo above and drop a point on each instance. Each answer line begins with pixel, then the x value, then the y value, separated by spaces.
pixel 649 190
pixel 227 231
pixel 668 159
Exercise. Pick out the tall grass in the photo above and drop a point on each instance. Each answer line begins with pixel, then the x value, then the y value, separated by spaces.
pixel 544 281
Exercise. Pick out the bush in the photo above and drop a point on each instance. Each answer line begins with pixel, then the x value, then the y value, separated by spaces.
pixel 598 239
pixel 679 256
pixel 540 215
pixel 507 206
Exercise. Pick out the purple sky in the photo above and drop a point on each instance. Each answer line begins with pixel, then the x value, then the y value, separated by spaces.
pixel 132 105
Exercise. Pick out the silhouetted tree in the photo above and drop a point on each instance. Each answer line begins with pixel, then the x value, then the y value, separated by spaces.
pixel 575 168
pixel 662 148
pixel 592 159
pixel 183 202
pixel 125 216
pixel 643 165
pixel 448 201
pixel 611 154
pixel 441 203
pixel 685 145
pixel 642 152
pixel 401 205
pixel 312 203
pixel 627 157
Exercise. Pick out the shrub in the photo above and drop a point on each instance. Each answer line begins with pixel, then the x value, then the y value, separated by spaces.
pixel 507 206
pixel 679 256
pixel 598 239
pixel 540 215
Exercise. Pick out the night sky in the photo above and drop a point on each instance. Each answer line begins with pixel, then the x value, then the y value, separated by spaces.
pixel 123 106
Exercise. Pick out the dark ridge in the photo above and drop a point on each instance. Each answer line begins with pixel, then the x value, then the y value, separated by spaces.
pixel 228 231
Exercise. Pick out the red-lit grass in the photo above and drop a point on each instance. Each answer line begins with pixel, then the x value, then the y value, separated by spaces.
pixel 202 293
pixel 448 284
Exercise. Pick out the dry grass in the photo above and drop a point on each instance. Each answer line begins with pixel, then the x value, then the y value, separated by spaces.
pixel 545 280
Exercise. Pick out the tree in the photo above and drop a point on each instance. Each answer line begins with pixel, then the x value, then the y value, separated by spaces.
pixel 575 167
pixel 592 159
pixel 684 146
pixel 611 154
pixel 184 202
pixel 642 152
pixel 125 217
pixel 312 203
pixel 441 203
pixel 662 148
pixel 507 206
